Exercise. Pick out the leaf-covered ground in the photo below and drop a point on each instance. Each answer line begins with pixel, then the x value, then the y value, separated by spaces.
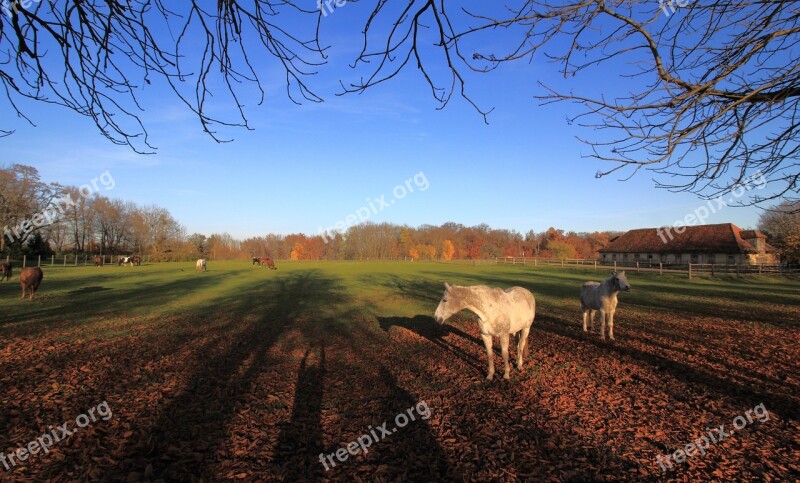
pixel 246 373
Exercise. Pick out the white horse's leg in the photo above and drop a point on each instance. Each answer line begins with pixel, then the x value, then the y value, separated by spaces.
pixel 504 339
pixel 585 316
pixel 522 346
pixel 602 324
pixel 487 341
pixel 611 325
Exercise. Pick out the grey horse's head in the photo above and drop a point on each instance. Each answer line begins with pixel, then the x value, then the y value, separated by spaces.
pixel 620 281
pixel 446 308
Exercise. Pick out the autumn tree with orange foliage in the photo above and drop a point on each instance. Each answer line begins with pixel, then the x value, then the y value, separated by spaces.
pixel 447 250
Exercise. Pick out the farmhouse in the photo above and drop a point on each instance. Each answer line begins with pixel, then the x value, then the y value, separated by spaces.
pixel 721 244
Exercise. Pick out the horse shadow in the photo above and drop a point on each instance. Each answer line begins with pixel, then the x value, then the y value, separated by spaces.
pixel 438 334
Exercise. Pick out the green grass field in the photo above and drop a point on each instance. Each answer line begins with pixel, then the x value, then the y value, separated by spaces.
pixel 244 372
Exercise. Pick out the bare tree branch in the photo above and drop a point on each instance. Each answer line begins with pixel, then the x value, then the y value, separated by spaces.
pixel 714 87
pixel 95 57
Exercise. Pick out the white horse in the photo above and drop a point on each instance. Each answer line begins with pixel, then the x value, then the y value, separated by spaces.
pixel 602 297
pixel 201 265
pixel 501 312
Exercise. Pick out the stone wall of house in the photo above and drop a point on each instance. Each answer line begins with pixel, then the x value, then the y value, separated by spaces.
pixel 686 258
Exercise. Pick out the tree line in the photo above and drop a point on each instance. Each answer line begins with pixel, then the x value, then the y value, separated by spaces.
pixel 41 218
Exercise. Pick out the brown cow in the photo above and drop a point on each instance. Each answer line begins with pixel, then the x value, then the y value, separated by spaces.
pixel 5 269
pixel 30 278
pixel 268 262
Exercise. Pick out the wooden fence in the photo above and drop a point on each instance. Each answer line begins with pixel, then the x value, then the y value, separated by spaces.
pixel 690 269
pixel 66 260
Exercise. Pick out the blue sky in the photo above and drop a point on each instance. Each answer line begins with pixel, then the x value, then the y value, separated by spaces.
pixel 310 166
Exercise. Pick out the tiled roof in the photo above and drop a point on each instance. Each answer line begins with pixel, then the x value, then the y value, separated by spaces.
pixel 720 238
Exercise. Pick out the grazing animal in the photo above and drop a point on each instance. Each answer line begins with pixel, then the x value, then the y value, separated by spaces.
pixel 602 297
pixel 201 265
pixel 30 278
pixel 256 260
pixel 501 312
pixel 5 269
pixel 126 261
pixel 268 262
pixel 136 260
pixel 98 261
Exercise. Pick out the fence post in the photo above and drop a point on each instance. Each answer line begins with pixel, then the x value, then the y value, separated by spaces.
pixel 690 271
pixel 52 260
pixel 562 263
pixel 660 268
pixel 637 267
pixel 615 265
pixel 759 269
pixel 65 259
pixel 76 259
pixel 39 261
pixel 24 259
pixel 595 265
pixel 712 269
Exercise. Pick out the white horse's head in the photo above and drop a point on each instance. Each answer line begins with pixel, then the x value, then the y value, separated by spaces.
pixel 446 306
pixel 621 282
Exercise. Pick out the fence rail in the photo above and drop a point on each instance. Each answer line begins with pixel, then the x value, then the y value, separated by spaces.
pixel 66 260
pixel 690 269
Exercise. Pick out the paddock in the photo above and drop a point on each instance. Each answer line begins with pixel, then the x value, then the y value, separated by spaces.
pixel 268 373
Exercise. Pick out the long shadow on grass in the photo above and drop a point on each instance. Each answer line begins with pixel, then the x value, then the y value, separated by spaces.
pixel 54 310
pixel 421 289
pixel 192 426
pixel 742 391
pixel 401 450
pixel 300 442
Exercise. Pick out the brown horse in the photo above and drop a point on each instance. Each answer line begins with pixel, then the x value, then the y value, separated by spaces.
pixel 5 270
pixel 268 262
pixel 137 260
pixel 98 261
pixel 30 278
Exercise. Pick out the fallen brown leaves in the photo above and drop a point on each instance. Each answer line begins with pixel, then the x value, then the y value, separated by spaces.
pixel 260 400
